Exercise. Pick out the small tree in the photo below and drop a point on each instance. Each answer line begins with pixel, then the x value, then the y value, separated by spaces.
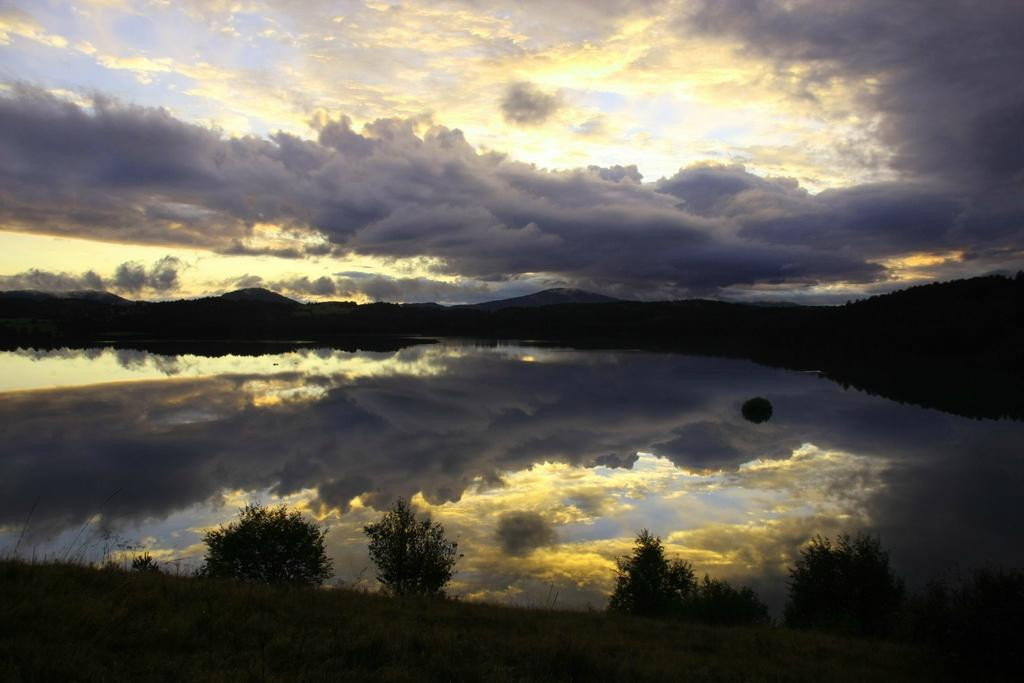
pixel 975 621
pixel 845 585
pixel 649 584
pixel 413 557
pixel 268 545
pixel 716 601
pixel 145 564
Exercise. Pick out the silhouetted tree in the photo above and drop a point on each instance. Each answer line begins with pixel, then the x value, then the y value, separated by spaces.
pixel 757 410
pixel 977 622
pixel 846 585
pixel 268 545
pixel 145 564
pixel 715 601
pixel 413 557
pixel 648 583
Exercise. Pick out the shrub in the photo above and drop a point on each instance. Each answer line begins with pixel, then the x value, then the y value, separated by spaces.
pixel 977 622
pixel 716 602
pixel 649 584
pixel 413 557
pixel 845 585
pixel 145 564
pixel 268 545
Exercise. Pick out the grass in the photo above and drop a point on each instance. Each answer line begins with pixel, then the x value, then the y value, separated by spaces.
pixel 71 622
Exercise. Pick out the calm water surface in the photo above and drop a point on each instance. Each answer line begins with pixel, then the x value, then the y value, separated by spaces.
pixel 542 462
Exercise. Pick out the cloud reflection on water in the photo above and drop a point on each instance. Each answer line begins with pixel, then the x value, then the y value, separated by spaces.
pixel 480 437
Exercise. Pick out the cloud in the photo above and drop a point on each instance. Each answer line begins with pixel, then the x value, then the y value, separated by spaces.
pixel 130 277
pixel 526 104
pixel 521 532
pixel 945 76
pixel 873 220
pixel 322 286
pixel 46 281
pixel 406 188
pixel 381 288
pixel 615 460
pixel 371 287
pixel 162 277
pixel 618 173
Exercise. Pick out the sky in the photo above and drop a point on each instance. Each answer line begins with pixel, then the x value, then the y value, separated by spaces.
pixel 812 151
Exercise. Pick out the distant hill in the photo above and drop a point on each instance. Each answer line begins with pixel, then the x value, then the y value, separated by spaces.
pixel 81 295
pixel 425 304
pixel 772 304
pixel 257 294
pixel 957 346
pixel 548 297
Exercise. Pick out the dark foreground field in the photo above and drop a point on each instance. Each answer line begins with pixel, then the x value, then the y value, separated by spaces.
pixel 65 622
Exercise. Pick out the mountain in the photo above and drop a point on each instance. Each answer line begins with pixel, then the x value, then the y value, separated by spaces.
pixel 26 294
pixel 772 304
pixel 80 295
pixel 957 346
pixel 548 297
pixel 257 294
pixel 94 295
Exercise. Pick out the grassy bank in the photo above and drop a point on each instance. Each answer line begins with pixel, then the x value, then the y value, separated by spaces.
pixel 67 622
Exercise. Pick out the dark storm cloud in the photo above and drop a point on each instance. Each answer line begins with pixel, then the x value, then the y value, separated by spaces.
pixel 66 170
pixel 615 461
pixel 617 173
pixel 407 188
pixel 947 72
pixel 873 220
pixel 521 532
pixel 385 191
pixel 526 104
pixel 712 189
pixel 943 75
pixel 379 288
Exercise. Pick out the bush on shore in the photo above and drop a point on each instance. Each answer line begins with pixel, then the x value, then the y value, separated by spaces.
pixel 268 545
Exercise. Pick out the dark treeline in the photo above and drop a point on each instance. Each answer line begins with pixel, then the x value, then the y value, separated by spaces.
pixel 972 622
pixel 957 346
pixel 216 348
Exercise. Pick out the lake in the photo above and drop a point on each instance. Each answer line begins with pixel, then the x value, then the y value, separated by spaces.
pixel 542 462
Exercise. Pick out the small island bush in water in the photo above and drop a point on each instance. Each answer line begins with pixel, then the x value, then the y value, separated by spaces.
pixel 757 410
